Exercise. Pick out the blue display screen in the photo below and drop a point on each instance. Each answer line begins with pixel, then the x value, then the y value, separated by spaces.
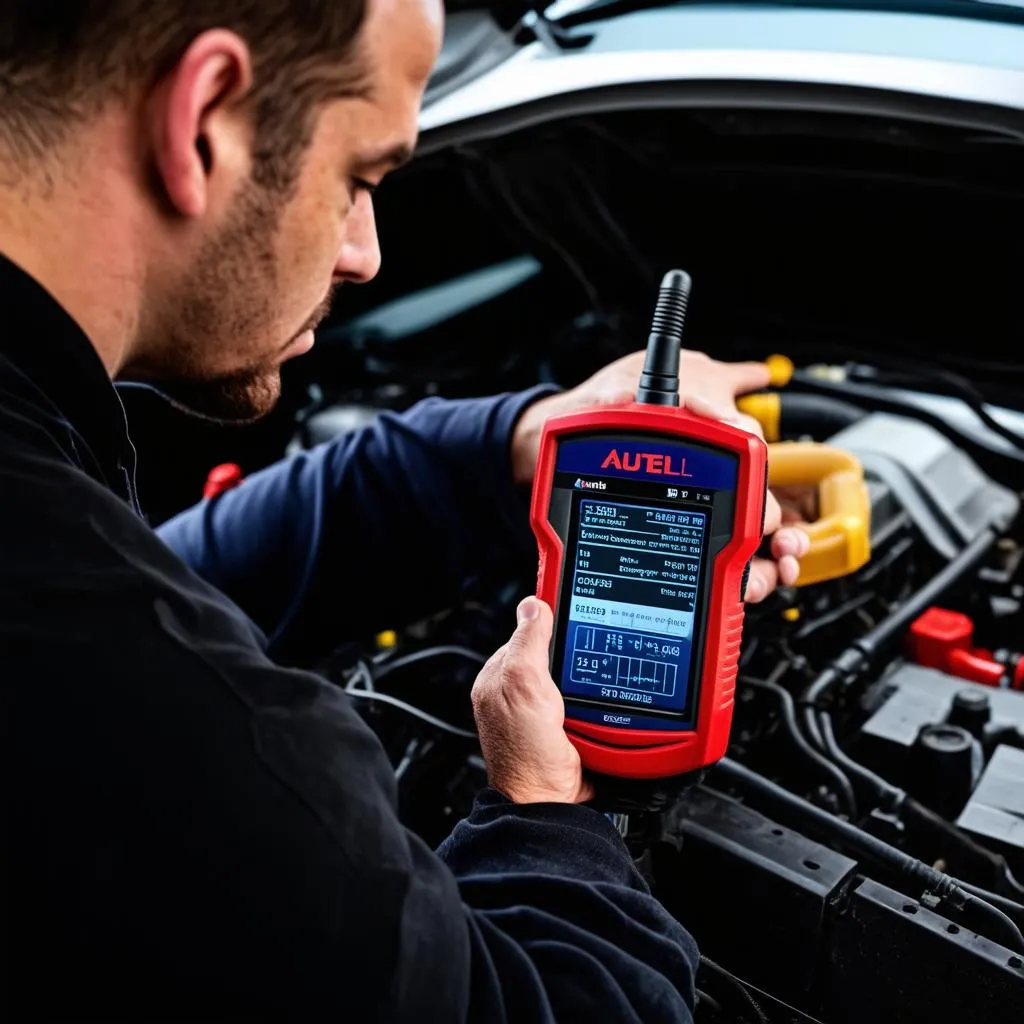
pixel 642 518
pixel 631 603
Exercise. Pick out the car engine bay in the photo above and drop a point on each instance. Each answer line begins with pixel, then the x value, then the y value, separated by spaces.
pixel 860 853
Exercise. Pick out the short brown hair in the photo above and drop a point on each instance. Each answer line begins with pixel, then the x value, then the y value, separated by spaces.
pixel 62 60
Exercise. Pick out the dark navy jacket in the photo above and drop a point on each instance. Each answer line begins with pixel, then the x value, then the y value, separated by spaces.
pixel 192 832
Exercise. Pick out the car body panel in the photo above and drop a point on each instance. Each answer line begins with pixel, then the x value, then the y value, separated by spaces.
pixel 978 62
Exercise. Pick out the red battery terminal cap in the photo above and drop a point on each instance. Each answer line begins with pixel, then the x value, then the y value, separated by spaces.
pixel 222 478
pixel 943 640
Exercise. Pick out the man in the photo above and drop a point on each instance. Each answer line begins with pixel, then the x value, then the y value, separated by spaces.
pixel 192 832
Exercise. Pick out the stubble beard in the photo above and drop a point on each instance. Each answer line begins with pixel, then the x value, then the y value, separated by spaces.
pixel 230 293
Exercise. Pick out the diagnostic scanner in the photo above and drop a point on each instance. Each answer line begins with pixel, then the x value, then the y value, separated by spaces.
pixel 646 518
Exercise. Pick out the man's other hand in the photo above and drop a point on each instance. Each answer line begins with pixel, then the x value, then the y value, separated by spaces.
pixel 716 384
pixel 708 388
pixel 519 714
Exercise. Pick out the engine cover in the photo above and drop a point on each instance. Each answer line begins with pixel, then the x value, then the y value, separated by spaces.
pixel 914 470
pixel 931 733
pixel 995 812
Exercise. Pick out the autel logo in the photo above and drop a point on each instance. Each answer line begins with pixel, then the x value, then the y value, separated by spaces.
pixel 633 462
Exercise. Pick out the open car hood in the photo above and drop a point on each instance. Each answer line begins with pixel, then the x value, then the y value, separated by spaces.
pixel 481 34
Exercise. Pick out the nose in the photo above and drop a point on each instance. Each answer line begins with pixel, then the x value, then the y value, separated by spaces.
pixel 359 256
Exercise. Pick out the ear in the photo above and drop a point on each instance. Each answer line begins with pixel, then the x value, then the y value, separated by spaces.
pixel 199 130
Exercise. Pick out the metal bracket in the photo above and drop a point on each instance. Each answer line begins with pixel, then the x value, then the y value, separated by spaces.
pixel 552 35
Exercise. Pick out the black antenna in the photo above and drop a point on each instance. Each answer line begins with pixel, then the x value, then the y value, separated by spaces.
pixel 659 383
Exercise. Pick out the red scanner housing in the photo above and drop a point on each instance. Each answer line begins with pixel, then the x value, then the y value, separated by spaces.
pixel 658 753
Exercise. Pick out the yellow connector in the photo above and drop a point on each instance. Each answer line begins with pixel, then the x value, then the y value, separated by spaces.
pixel 387 640
pixel 766 408
pixel 841 535
pixel 791 614
pixel 781 370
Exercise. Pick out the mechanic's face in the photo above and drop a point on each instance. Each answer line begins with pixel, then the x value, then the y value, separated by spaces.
pixel 258 287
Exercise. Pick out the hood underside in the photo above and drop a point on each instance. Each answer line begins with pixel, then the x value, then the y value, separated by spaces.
pixel 822 235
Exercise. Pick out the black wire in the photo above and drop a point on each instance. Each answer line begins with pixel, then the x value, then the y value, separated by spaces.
pixel 958 386
pixel 1012 910
pixel 879 400
pixel 738 987
pixel 1012 937
pixel 1012 883
pixel 811 626
pixel 907 867
pixel 405 660
pixel 972 857
pixel 837 778
pixel 811 725
pixel 703 997
pixel 411 709
pixel 879 565
pixel 892 795
pixel 896 800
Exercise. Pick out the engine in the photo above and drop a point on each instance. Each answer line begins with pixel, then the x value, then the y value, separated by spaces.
pixel 879 724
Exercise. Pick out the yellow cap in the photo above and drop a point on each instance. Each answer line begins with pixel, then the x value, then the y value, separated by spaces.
pixel 766 408
pixel 791 614
pixel 387 639
pixel 781 370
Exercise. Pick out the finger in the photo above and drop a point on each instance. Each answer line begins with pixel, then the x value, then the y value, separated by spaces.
pixel 533 620
pixel 714 409
pixel 708 408
pixel 764 577
pixel 789 570
pixel 790 541
pixel 799 502
pixel 748 376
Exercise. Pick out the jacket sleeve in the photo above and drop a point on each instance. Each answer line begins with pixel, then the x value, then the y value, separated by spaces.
pixel 409 509
pixel 564 918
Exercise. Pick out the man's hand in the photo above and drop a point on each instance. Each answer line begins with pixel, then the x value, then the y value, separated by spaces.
pixel 707 388
pixel 519 714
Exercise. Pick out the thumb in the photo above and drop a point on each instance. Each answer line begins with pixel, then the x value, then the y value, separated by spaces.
pixel 533 632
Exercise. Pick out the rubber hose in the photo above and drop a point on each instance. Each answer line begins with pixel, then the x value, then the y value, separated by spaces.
pixel 858 655
pixel 820 416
